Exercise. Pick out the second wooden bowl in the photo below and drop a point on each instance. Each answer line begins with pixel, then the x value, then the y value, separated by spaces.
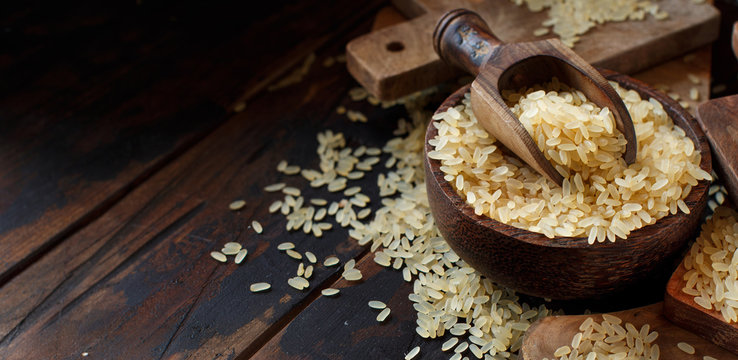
pixel 564 267
pixel 681 309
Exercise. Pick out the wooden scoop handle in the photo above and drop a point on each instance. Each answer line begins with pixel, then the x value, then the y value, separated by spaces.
pixel 463 39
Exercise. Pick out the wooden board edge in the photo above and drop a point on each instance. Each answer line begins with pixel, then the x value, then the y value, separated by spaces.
pixel 687 42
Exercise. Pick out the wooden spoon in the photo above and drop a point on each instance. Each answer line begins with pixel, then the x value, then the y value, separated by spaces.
pixel 681 309
pixel 463 39
pixel 550 333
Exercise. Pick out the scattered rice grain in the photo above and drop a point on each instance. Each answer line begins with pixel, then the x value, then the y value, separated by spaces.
pixel 259 287
pixel 237 205
pixel 683 346
pixel 294 254
pixel 257 227
pixel 275 187
pixel 376 304
pixel 414 352
pixel 286 246
pixel 383 314
pixel 330 292
pixel 218 256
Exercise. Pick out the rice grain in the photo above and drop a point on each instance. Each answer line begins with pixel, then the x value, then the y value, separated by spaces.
pixel 383 314
pixel 331 261
pixel 240 256
pixel 329 292
pixel 294 254
pixel 311 257
pixel 257 227
pixel 218 256
pixel 376 304
pixel 259 287
pixel 237 205
pixel 683 346
pixel 414 352
pixel 275 187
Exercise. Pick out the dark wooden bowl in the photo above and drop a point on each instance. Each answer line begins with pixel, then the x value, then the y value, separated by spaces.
pixel 565 267
pixel 548 334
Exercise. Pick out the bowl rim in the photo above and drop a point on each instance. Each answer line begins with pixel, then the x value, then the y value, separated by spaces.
pixel 675 111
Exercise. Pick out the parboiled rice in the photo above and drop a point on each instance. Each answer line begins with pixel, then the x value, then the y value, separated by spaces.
pixel 712 265
pixel 329 292
pixel 604 198
pixel 240 256
pixel 260 286
pixel 237 205
pixel 609 339
pixel 683 346
pixel 447 292
pixel 572 18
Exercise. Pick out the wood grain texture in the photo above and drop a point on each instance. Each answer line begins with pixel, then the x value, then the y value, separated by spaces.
pixel 719 121
pixel 565 268
pixel 96 98
pixel 138 281
pixel 79 122
pixel 387 16
pixel 546 335
pixel 463 39
pixel 626 47
pixel 681 309
pixel 345 327
pixel 148 293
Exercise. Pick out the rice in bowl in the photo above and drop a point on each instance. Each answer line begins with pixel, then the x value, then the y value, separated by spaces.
pixel 602 198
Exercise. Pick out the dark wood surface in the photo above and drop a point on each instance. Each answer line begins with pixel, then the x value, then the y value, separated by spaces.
pixel 113 169
pixel 129 126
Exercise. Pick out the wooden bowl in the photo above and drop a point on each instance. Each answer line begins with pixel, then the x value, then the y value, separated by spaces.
pixel 548 334
pixel 681 309
pixel 565 267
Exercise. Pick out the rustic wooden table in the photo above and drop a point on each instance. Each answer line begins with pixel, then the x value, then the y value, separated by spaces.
pixel 129 127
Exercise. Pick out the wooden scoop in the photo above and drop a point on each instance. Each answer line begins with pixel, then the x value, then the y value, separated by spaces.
pixel 550 333
pixel 463 39
pixel 719 120
pixel 681 309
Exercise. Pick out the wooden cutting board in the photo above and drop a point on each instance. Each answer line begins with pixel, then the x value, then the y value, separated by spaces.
pixel 399 59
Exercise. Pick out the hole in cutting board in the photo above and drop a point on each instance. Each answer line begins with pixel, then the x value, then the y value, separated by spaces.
pixel 395 46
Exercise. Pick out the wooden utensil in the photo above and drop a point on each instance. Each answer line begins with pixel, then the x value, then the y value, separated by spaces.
pixel 548 334
pixel 719 120
pixel 463 39
pixel 399 60
pixel 563 267
pixel 681 309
